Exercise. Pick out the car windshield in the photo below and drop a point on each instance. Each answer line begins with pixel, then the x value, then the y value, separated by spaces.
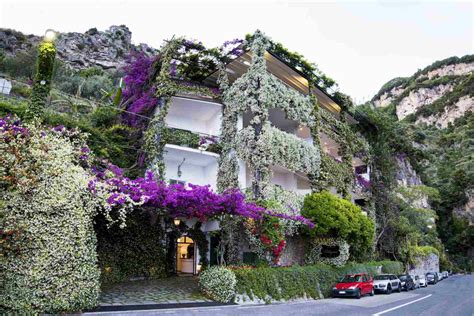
pixel 351 278
pixel 382 277
pixel 402 277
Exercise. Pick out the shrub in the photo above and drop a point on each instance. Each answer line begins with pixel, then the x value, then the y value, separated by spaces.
pixel 338 218
pixel 312 281
pixel 47 205
pixel 218 283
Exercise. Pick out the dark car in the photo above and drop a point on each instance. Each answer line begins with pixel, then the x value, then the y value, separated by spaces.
pixel 432 277
pixel 406 282
pixel 355 285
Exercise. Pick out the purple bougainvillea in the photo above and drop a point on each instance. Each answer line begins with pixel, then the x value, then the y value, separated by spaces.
pixel 363 181
pixel 139 94
pixel 177 200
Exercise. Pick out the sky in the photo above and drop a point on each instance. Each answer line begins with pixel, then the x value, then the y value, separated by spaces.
pixel 360 44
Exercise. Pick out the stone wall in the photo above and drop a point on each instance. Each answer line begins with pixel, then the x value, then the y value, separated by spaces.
pixel 295 251
pixel 425 265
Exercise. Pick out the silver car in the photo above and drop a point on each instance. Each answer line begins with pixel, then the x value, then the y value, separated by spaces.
pixel 416 281
pixel 423 281
pixel 386 283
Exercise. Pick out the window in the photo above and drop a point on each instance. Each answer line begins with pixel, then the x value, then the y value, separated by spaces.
pixel 330 251
pixel 360 202
pixel 173 181
pixel 361 169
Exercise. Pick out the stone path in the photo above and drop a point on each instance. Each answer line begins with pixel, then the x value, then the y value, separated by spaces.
pixel 163 291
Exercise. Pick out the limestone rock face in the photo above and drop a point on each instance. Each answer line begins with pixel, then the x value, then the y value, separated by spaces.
pixel 107 49
pixel 425 265
pixel 421 90
pixel 388 97
pixel 450 114
pixel 418 98
pixel 450 70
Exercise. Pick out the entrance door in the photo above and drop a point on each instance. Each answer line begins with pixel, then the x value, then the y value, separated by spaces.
pixel 185 256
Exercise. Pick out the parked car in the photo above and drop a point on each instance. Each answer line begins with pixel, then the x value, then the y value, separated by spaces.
pixel 406 282
pixel 445 274
pixel 416 280
pixel 432 277
pixel 354 285
pixel 440 276
pixel 423 281
pixel 386 283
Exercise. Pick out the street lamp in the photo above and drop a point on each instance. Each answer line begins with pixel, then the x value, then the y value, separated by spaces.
pixel 177 221
pixel 49 35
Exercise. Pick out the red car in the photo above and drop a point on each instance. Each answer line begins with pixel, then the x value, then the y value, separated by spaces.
pixel 355 285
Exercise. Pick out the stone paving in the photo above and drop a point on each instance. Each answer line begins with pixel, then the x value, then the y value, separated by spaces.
pixel 163 291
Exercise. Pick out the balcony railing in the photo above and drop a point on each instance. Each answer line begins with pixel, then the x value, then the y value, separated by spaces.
pixel 281 149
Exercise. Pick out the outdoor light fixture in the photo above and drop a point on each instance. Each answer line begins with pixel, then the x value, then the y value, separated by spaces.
pixel 50 35
pixel 180 173
pixel 177 221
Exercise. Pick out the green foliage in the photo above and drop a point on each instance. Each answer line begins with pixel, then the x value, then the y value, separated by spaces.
pixel 21 91
pixel 134 251
pixel 395 82
pixel 218 283
pixel 314 281
pixel 424 251
pixel 90 83
pixel 338 218
pixel 21 65
pixel 43 77
pixel 112 142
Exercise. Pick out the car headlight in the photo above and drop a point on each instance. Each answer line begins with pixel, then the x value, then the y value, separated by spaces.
pixel 402 283
pixel 353 287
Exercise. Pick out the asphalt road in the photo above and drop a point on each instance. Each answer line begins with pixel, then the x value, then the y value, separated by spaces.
pixel 452 296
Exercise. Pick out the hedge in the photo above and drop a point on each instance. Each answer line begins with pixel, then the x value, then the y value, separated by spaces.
pixel 312 281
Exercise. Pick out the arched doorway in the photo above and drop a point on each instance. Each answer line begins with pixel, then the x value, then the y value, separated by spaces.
pixel 185 256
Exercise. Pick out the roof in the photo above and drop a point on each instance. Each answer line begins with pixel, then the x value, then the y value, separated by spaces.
pixel 288 75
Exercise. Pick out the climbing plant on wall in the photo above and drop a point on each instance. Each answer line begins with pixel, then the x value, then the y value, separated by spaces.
pixel 44 74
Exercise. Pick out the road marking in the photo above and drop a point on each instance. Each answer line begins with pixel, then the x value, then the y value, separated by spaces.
pixel 400 306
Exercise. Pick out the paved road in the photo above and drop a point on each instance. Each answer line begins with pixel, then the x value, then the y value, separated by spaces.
pixel 452 296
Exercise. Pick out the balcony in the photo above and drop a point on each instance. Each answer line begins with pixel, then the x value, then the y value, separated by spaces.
pixel 193 115
pixel 188 165
pixel 281 149
pixel 278 119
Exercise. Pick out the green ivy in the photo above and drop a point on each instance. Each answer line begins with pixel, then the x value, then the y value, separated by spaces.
pixel 44 74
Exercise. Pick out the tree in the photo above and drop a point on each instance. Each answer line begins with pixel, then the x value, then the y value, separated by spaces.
pixel 338 218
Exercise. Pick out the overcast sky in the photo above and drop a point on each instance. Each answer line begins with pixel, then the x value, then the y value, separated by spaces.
pixel 360 44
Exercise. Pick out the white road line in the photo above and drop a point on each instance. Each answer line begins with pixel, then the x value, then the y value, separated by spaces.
pixel 400 306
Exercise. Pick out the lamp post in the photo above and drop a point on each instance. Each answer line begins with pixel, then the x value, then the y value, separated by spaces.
pixel 43 75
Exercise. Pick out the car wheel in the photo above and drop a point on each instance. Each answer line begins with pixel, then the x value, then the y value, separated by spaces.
pixel 399 289
pixel 389 290
pixel 358 294
pixel 372 293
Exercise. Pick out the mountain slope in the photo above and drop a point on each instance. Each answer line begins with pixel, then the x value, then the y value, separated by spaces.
pixel 436 95
pixel 432 124
pixel 106 50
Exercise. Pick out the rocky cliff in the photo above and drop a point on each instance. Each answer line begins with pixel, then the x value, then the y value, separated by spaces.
pixel 105 49
pixel 436 95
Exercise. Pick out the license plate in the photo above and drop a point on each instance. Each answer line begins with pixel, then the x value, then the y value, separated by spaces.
pixel 342 292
